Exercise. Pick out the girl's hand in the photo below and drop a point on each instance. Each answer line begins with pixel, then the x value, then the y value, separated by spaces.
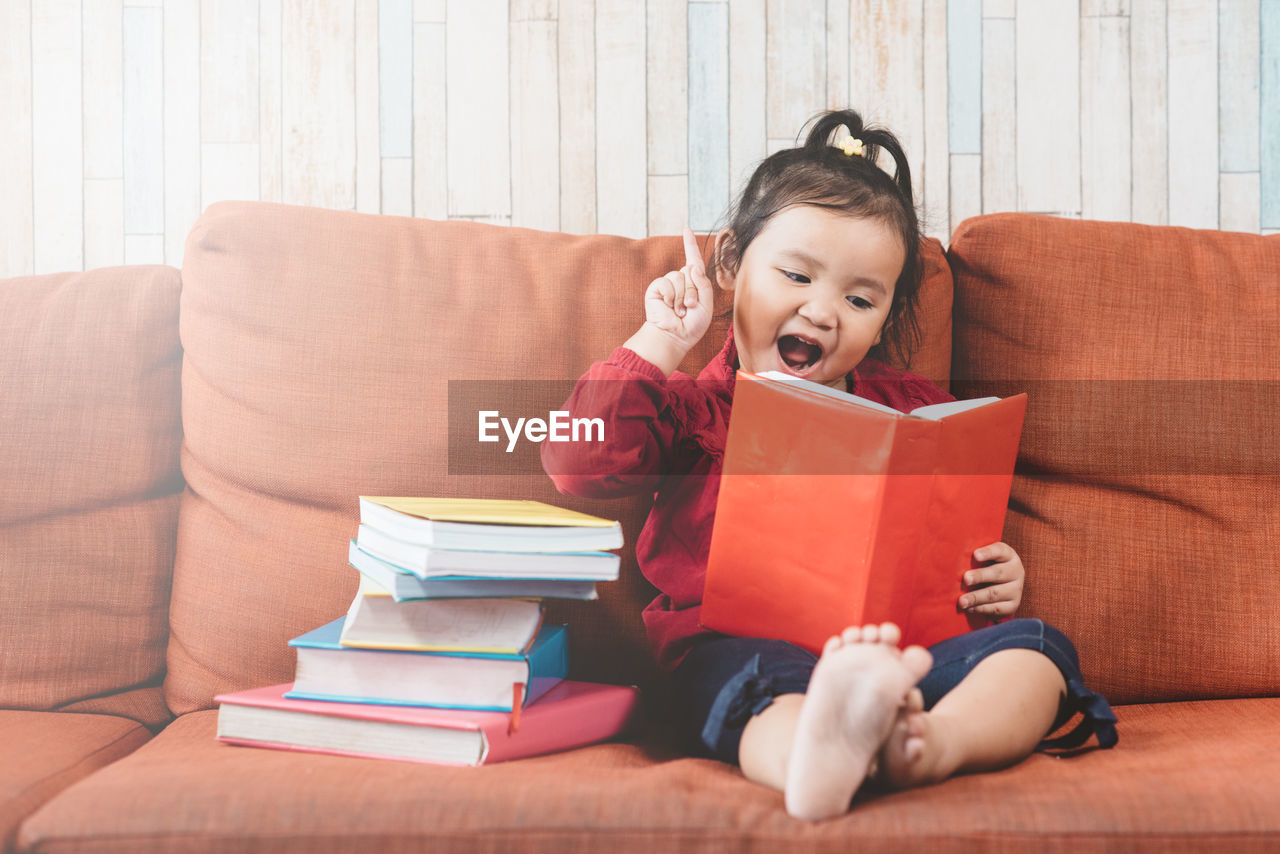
pixel 680 303
pixel 1004 573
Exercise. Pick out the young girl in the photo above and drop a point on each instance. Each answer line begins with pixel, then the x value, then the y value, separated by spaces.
pixel 822 256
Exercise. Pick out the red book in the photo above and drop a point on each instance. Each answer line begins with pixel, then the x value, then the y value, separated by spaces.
pixel 571 714
pixel 834 512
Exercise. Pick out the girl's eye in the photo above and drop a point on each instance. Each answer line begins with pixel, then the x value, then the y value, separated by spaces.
pixel 796 277
pixel 859 302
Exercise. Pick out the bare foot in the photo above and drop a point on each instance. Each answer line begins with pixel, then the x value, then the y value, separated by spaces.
pixel 915 752
pixel 849 709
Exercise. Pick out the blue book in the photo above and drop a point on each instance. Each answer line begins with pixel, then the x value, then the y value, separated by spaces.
pixel 327 670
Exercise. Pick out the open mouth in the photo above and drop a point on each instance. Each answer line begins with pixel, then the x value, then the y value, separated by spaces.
pixel 798 353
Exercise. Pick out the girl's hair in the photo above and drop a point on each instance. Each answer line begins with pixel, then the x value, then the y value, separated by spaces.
pixel 820 174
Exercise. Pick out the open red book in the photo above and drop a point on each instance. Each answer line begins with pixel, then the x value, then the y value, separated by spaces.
pixel 836 511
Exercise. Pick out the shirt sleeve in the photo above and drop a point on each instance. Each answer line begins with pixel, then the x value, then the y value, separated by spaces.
pixel 630 395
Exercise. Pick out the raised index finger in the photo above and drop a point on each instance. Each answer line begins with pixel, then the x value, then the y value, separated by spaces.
pixel 692 254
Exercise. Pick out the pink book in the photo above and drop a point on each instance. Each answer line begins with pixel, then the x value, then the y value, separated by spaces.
pixel 572 714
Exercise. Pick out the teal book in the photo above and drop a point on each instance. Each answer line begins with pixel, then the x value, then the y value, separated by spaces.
pixel 326 670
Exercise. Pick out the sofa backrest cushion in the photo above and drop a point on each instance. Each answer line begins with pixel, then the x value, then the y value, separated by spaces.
pixel 333 354
pixel 90 432
pixel 1145 506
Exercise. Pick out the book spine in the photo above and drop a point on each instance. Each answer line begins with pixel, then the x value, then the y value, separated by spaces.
pixel 548 662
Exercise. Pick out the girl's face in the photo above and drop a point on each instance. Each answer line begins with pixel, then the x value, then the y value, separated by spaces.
pixel 812 293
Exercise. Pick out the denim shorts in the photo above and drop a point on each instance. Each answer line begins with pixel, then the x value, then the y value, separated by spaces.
pixel 724 681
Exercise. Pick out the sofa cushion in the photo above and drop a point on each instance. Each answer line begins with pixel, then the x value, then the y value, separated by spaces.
pixel 1145 502
pixel 332 354
pixel 1193 776
pixel 44 752
pixel 89 485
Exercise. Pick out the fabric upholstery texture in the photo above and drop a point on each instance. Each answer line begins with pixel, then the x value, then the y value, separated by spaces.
pixel 1146 503
pixel 173 795
pixel 332 354
pixel 88 506
pixel 41 753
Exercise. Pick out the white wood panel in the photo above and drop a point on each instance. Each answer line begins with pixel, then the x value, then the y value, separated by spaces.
pixel 999 8
pixel 796 81
pixel 319 103
pixel 144 249
pixel 430 171
pixel 577 66
pixel 103 222
pixel 621 176
pixel 1048 112
pixel 708 115
pixel 999 117
pixel 668 203
pixel 103 91
pixel 394 50
pixel 535 125
pixel 1193 114
pixel 964 76
pixel 1239 72
pixel 966 187
pixel 17 249
pixel 479 126
pixel 1240 194
pixel 270 165
pixel 1105 129
pixel 533 10
pixel 888 49
pixel 57 126
pixel 1096 8
pixel 228 171
pixel 397 186
pixel 667 74
pixel 747 76
pixel 774 144
pixel 933 187
pixel 369 106
pixel 1149 88
pixel 429 11
pixel 229 71
pixel 181 127
pixel 839 37
pixel 143 124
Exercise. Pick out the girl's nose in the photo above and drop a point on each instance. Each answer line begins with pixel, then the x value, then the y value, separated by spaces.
pixel 819 311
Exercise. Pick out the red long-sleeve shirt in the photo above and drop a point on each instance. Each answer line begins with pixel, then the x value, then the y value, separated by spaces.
pixel 666 435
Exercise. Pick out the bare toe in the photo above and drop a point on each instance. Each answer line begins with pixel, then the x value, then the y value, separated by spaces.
pixel 918 661
pixel 890 634
pixel 853 634
pixel 871 633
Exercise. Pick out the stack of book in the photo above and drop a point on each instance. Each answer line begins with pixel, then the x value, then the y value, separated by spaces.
pixel 444 655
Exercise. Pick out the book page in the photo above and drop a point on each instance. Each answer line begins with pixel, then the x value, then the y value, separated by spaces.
pixel 810 385
pixel 936 411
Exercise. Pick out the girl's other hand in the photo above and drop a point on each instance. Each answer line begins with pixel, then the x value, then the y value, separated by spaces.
pixel 680 303
pixel 995 588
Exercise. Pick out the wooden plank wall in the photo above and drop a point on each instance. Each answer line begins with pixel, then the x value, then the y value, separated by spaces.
pixel 126 118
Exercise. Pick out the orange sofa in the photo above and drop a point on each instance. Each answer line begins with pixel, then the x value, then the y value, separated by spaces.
pixel 180 454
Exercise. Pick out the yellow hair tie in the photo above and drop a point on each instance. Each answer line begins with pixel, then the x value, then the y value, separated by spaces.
pixel 851 146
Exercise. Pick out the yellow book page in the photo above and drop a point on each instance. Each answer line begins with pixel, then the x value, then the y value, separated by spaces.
pixel 490 510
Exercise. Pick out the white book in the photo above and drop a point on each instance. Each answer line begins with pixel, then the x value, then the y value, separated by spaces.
pixel 427 561
pixel 489 524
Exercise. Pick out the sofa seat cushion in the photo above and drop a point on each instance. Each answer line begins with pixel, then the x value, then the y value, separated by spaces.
pixel 1190 776
pixel 1145 506
pixel 330 354
pixel 41 753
